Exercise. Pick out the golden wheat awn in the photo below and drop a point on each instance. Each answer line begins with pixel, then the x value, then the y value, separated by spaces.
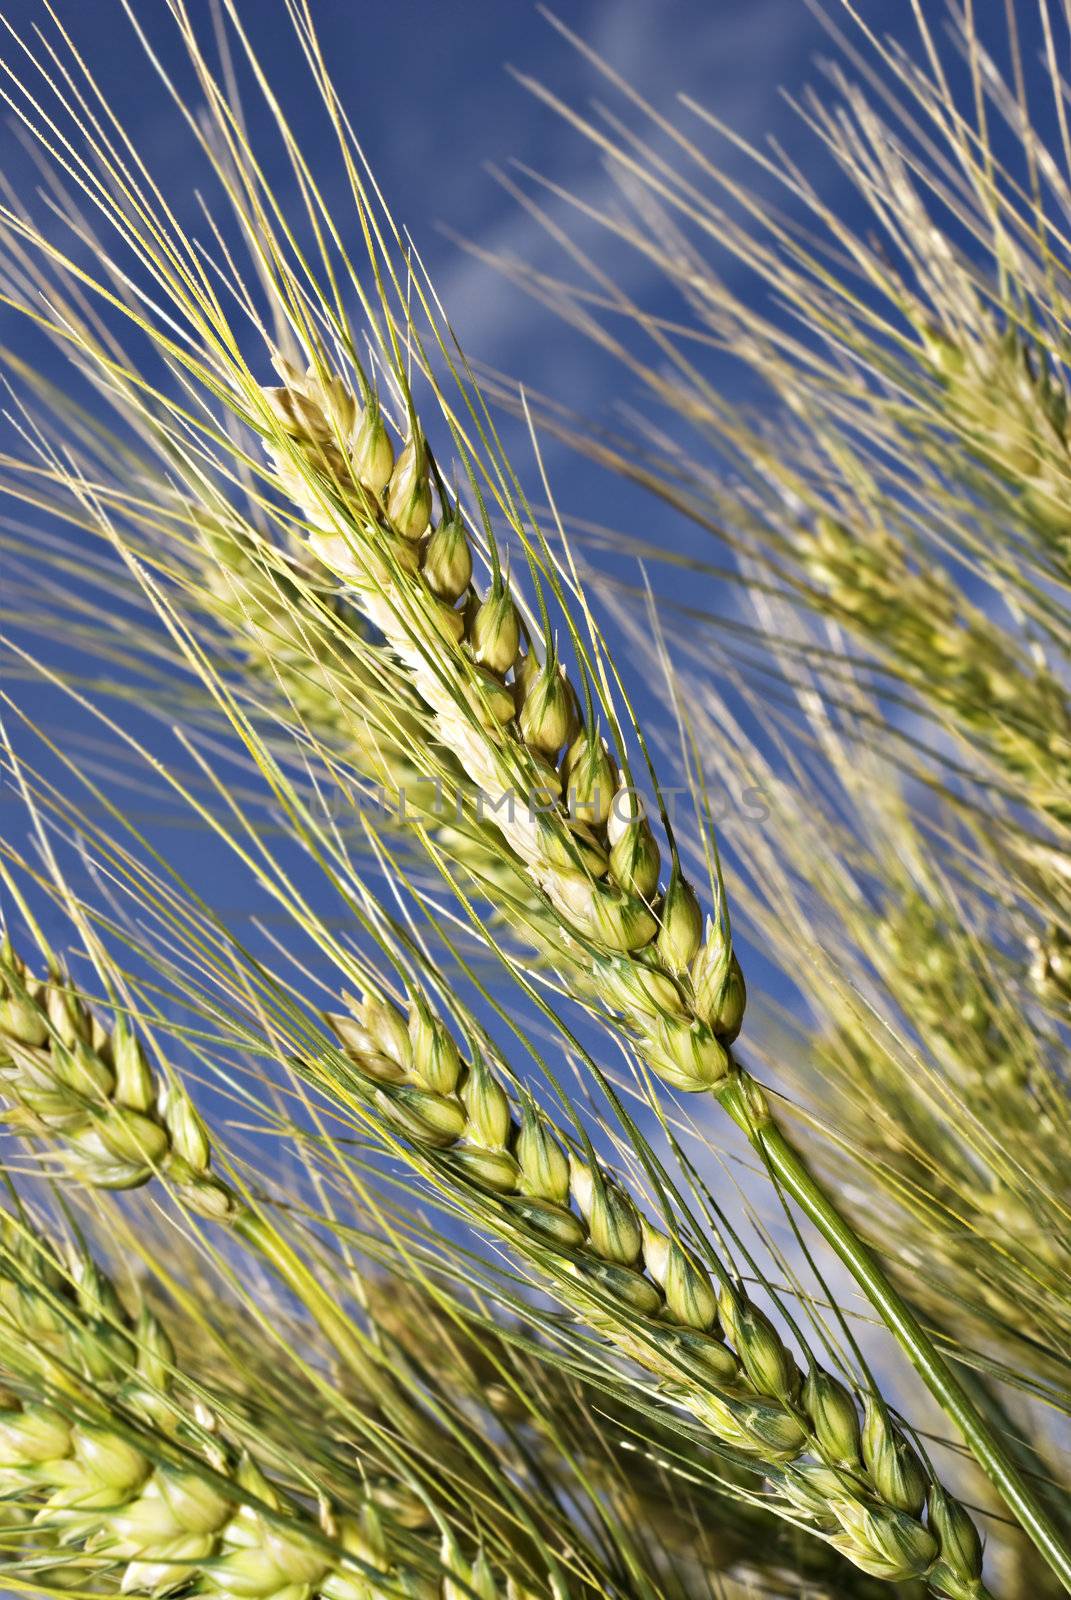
pixel 502 692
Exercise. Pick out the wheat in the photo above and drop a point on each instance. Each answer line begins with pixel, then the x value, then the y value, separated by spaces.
pixel 946 649
pixel 644 1486
pixel 644 1492
pixel 68 1076
pixel 1006 395
pixel 760 1404
pixel 513 721
pixel 861 1487
pixel 141 1488
pixel 920 436
pixel 490 685
pixel 646 959
pixel 91 1094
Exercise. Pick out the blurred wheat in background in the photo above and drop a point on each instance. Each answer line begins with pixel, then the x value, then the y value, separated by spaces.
pixel 533 1052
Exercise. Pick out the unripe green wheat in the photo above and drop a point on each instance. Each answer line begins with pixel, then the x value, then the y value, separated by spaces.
pixel 715 1352
pixel 95 1093
pixel 142 1525
pixel 505 714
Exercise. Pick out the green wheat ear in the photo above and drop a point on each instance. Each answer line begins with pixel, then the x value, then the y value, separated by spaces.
pixel 161 1501
pixel 94 1090
pixel 856 1482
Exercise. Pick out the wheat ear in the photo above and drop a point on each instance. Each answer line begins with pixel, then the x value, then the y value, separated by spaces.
pixel 858 1484
pixel 947 649
pixel 166 1501
pixel 513 723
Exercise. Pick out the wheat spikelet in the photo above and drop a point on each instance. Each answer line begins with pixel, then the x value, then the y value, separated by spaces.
pixel 346 687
